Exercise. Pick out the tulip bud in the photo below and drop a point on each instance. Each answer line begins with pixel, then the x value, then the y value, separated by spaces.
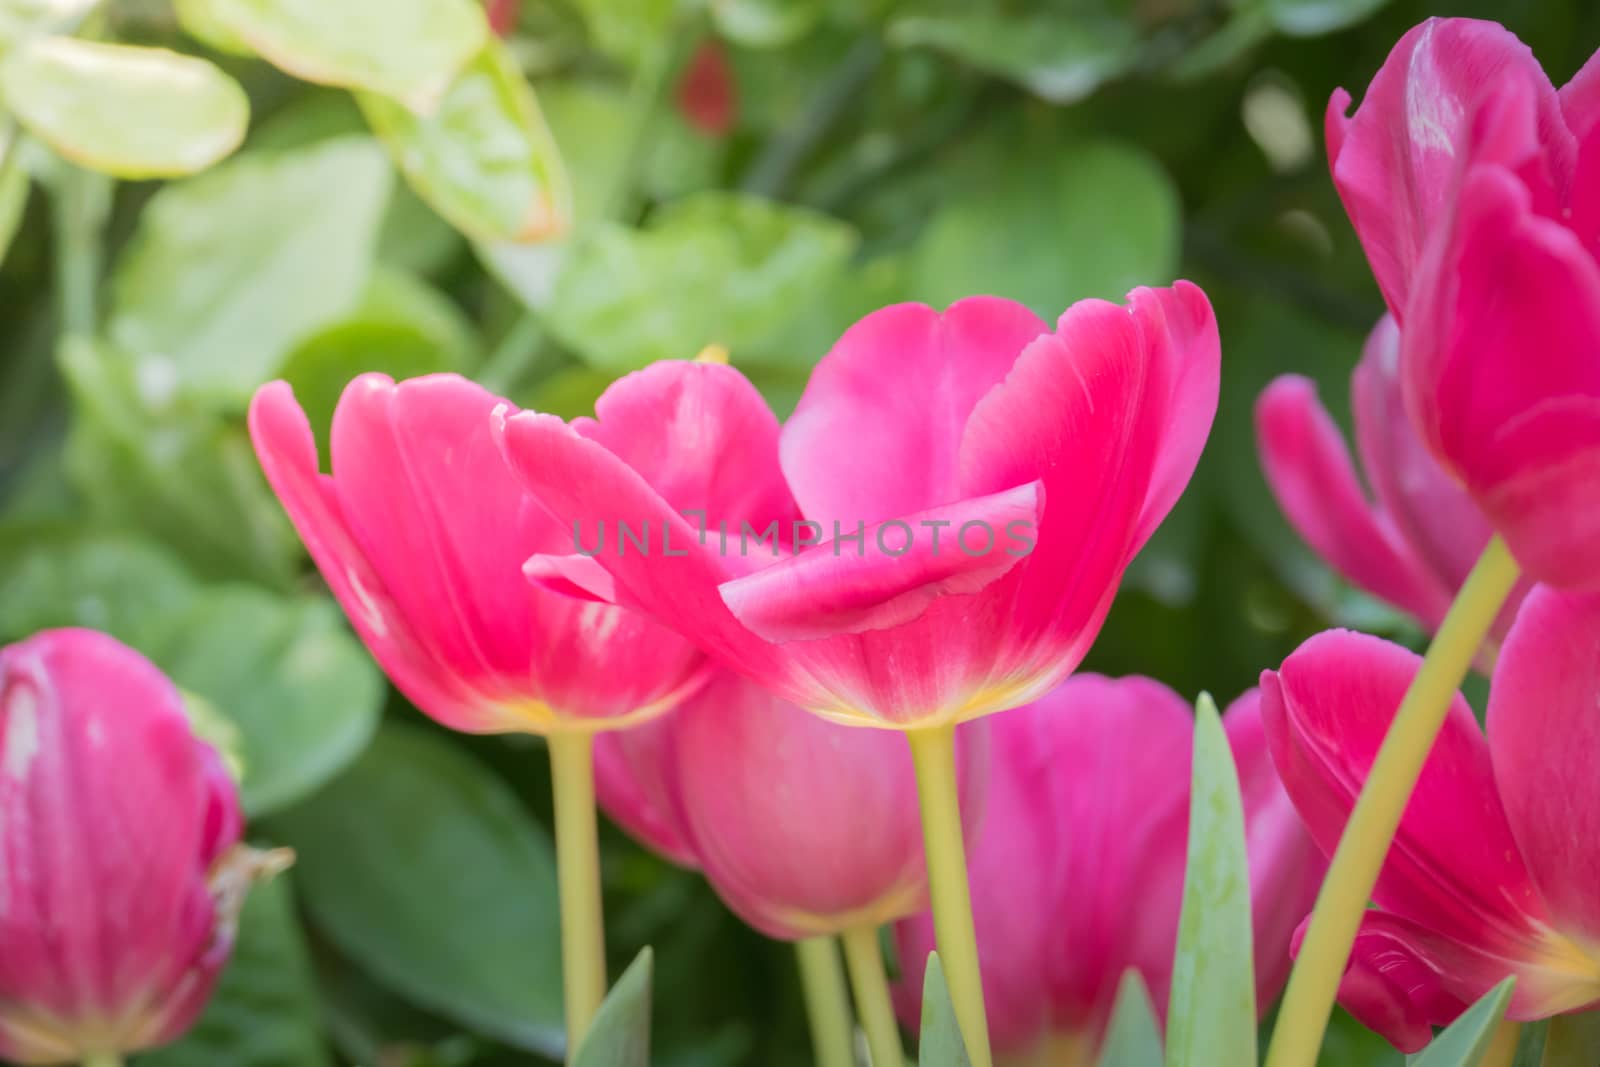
pixel 121 872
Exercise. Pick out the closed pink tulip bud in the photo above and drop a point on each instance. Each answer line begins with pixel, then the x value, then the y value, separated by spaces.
pixel 421 532
pixel 1413 538
pixel 1475 189
pixel 804 827
pixel 1494 868
pixel 935 535
pixel 121 875
pixel 1077 870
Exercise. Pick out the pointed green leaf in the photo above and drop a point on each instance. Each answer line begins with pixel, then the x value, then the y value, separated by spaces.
pixel 1211 1016
pixel 408 49
pixel 1531 1044
pixel 941 1043
pixel 424 869
pixel 484 158
pixel 620 1033
pixel 1464 1042
pixel 128 111
pixel 1572 1041
pixel 1133 1038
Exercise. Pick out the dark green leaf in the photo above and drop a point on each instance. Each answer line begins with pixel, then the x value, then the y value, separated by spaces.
pixel 424 869
pixel 1133 1038
pixel 620 1033
pixel 1211 1017
pixel 1464 1042
pixel 1531 1041
pixel 1572 1041
pixel 941 1043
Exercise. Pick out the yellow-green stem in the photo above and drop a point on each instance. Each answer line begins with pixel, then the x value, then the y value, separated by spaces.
pixel 1314 982
pixel 1503 1048
pixel 933 751
pixel 827 1002
pixel 865 960
pixel 583 935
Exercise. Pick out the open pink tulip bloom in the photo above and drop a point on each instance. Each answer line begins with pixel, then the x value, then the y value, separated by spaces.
pixel 1475 189
pixel 117 830
pixel 804 827
pixel 421 532
pixel 1412 540
pixel 1077 871
pixel 1495 868
pixel 949 511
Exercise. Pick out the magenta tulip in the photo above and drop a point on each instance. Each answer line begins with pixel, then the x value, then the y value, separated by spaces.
pixel 1475 189
pixel 1077 871
pixel 421 532
pixel 938 531
pixel 1494 868
pixel 119 858
pixel 804 827
pixel 1412 540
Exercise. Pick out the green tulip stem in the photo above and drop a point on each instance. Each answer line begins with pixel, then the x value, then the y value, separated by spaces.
pixel 583 935
pixel 827 1002
pixel 864 959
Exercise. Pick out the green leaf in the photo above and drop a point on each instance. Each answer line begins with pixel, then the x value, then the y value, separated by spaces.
pixel 620 1033
pixel 1464 1042
pixel 422 867
pixel 1061 58
pixel 21 19
pixel 630 30
pixel 713 268
pixel 1311 18
pixel 1096 218
pixel 201 23
pixel 408 49
pixel 264 1011
pixel 128 111
pixel 1211 1017
pixel 1531 1041
pixel 287 673
pixel 941 1043
pixel 484 158
pixel 1133 1038
pixel 1572 1040
pixel 765 23
pixel 230 269
pixel 13 191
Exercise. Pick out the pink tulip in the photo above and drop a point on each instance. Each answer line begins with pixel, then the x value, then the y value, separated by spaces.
pixel 1494 868
pixel 1412 540
pixel 119 856
pixel 952 505
pixel 1475 188
pixel 804 827
pixel 1077 871
pixel 421 532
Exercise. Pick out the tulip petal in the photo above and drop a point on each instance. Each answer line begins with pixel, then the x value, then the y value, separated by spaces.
pixel 630 782
pixel 1395 160
pixel 1454 864
pixel 1309 469
pixel 1544 733
pixel 1395 981
pixel 878 430
pixel 895 572
pixel 1580 103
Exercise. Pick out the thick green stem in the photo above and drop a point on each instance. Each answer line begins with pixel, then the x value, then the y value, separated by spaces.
pixel 583 935
pixel 827 1002
pixel 933 751
pixel 865 960
pixel 1314 982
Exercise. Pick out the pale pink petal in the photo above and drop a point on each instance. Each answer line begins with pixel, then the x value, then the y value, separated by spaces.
pixel 1454 864
pixel 630 783
pixel 891 573
pixel 878 430
pixel 1308 467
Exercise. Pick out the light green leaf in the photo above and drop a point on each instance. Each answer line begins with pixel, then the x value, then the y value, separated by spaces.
pixel 941 1043
pixel 765 23
pixel 1464 1042
pixel 200 22
pixel 128 111
pixel 264 1011
pixel 21 19
pixel 423 868
pixel 1211 1016
pixel 1057 57
pixel 714 268
pixel 629 30
pixel 620 1033
pixel 1311 18
pixel 1096 218
pixel 408 49
pixel 1133 1038
pixel 287 673
pixel 13 191
pixel 286 241
pixel 484 159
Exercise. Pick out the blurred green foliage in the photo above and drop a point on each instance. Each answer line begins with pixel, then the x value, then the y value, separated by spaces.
pixel 380 220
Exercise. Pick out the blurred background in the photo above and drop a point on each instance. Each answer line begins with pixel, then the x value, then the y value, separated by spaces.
pixel 752 173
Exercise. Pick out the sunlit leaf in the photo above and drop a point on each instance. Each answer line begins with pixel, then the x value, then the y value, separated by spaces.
pixel 128 111
pixel 765 23
pixel 941 1043
pixel 1211 1016
pixel 1310 18
pixel 484 158
pixel 1133 1038
pixel 1057 57
pixel 620 1033
pixel 21 19
pixel 1465 1042
pixel 200 22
